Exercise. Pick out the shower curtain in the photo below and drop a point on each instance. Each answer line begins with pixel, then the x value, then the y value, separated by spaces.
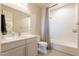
pixel 3 25
pixel 45 28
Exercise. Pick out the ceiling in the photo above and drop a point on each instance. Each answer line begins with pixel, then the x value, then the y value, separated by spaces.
pixel 43 4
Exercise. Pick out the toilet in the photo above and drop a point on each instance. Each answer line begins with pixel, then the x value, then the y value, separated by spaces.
pixel 42 46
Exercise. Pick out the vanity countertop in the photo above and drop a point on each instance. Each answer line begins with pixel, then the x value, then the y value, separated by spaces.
pixel 16 38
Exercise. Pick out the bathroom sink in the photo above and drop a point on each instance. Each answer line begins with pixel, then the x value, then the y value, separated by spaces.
pixel 8 38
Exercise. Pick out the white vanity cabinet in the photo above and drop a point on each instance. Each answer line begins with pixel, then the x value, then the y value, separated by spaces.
pixel 16 48
pixel 23 47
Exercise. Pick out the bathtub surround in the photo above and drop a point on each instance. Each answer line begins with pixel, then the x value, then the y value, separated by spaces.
pixel 63 21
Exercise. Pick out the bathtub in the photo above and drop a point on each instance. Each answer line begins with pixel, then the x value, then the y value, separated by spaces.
pixel 73 44
pixel 69 47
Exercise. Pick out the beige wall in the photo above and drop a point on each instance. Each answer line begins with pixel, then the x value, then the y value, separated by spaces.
pixel 35 13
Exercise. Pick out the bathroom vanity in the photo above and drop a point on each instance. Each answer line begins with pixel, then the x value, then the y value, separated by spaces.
pixel 20 46
pixel 18 21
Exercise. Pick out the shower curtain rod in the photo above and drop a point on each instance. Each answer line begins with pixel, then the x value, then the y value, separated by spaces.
pixel 52 5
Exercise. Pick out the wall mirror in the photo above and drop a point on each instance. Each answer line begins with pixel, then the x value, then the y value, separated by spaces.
pixel 16 21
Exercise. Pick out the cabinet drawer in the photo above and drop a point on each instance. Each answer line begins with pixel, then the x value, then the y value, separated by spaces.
pixel 19 51
pixel 31 40
pixel 11 45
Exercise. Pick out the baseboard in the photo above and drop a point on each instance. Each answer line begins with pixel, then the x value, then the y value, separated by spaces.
pixel 65 49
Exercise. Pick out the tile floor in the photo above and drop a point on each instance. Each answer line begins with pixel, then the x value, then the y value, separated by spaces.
pixel 54 53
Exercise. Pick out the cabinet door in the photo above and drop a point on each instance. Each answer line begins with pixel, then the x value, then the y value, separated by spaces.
pixel 31 49
pixel 19 51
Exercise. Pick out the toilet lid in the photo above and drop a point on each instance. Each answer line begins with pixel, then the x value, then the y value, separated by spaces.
pixel 42 43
